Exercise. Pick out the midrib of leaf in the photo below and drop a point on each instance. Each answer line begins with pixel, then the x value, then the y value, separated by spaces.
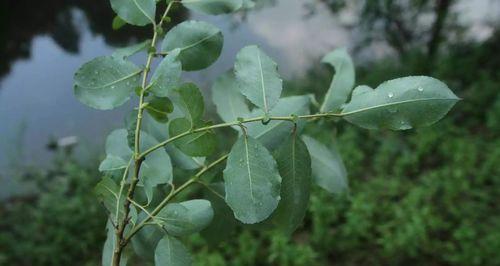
pixel 262 83
pixel 248 168
pixel 143 12
pixel 113 82
pixel 397 103
pixel 198 42
pixel 330 90
pixel 156 110
pixel 197 137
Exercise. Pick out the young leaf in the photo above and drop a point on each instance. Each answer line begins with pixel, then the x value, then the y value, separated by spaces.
pixel 118 23
pixel 125 52
pixel 171 252
pixel 185 218
pixel 294 165
pixel 342 82
pixel 131 125
pixel 229 101
pixel 258 77
pixel 273 134
pixel 108 192
pixel 252 181
pixel 159 108
pixel 200 44
pixel 135 12
pixel 197 144
pixel 223 224
pixel 400 104
pixel 327 167
pixel 117 151
pixel 213 7
pixel 167 76
pixel 106 82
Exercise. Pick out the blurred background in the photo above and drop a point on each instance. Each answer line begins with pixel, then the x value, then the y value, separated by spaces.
pixel 419 197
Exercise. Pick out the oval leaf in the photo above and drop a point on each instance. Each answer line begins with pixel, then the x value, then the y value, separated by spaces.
pixel 327 166
pixel 342 82
pixel 229 101
pixel 200 44
pixel 273 134
pixel 197 144
pixel 258 78
pixel 185 218
pixel 223 224
pixel 213 7
pixel 135 12
pixel 400 104
pixel 294 165
pixel 252 181
pixel 106 82
pixel 159 108
pixel 171 252
pixel 167 76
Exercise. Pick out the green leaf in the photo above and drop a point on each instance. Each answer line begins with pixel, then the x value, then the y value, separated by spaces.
pixel 400 104
pixel 247 4
pixel 273 134
pixel 342 82
pixel 227 98
pixel 327 166
pixel 185 218
pixel 258 77
pixel 135 12
pixel 200 44
pixel 106 82
pixel 213 7
pixel 179 159
pixel 159 108
pixel 167 76
pixel 171 252
pixel 156 168
pixel 197 144
pixel 125 52
pixel 294 165
pixel 146 239
pixel 131 125
pixel 118 23
pixel 223 224
pixel 190 101
pixel 252 181
pixel 108 192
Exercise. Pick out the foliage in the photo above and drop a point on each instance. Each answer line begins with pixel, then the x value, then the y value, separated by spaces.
pixel 58 224
pixel 139 183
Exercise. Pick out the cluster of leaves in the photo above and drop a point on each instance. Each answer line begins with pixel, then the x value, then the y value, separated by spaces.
pixel 269 170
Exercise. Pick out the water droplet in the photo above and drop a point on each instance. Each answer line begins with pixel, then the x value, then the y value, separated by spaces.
pixel 420 89
pixel 112 87
pixel 96 72
pixel 391 95
pixel 393 110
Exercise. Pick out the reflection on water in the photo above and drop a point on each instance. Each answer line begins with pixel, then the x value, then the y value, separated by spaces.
pixel 42 43
pixel 42 49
